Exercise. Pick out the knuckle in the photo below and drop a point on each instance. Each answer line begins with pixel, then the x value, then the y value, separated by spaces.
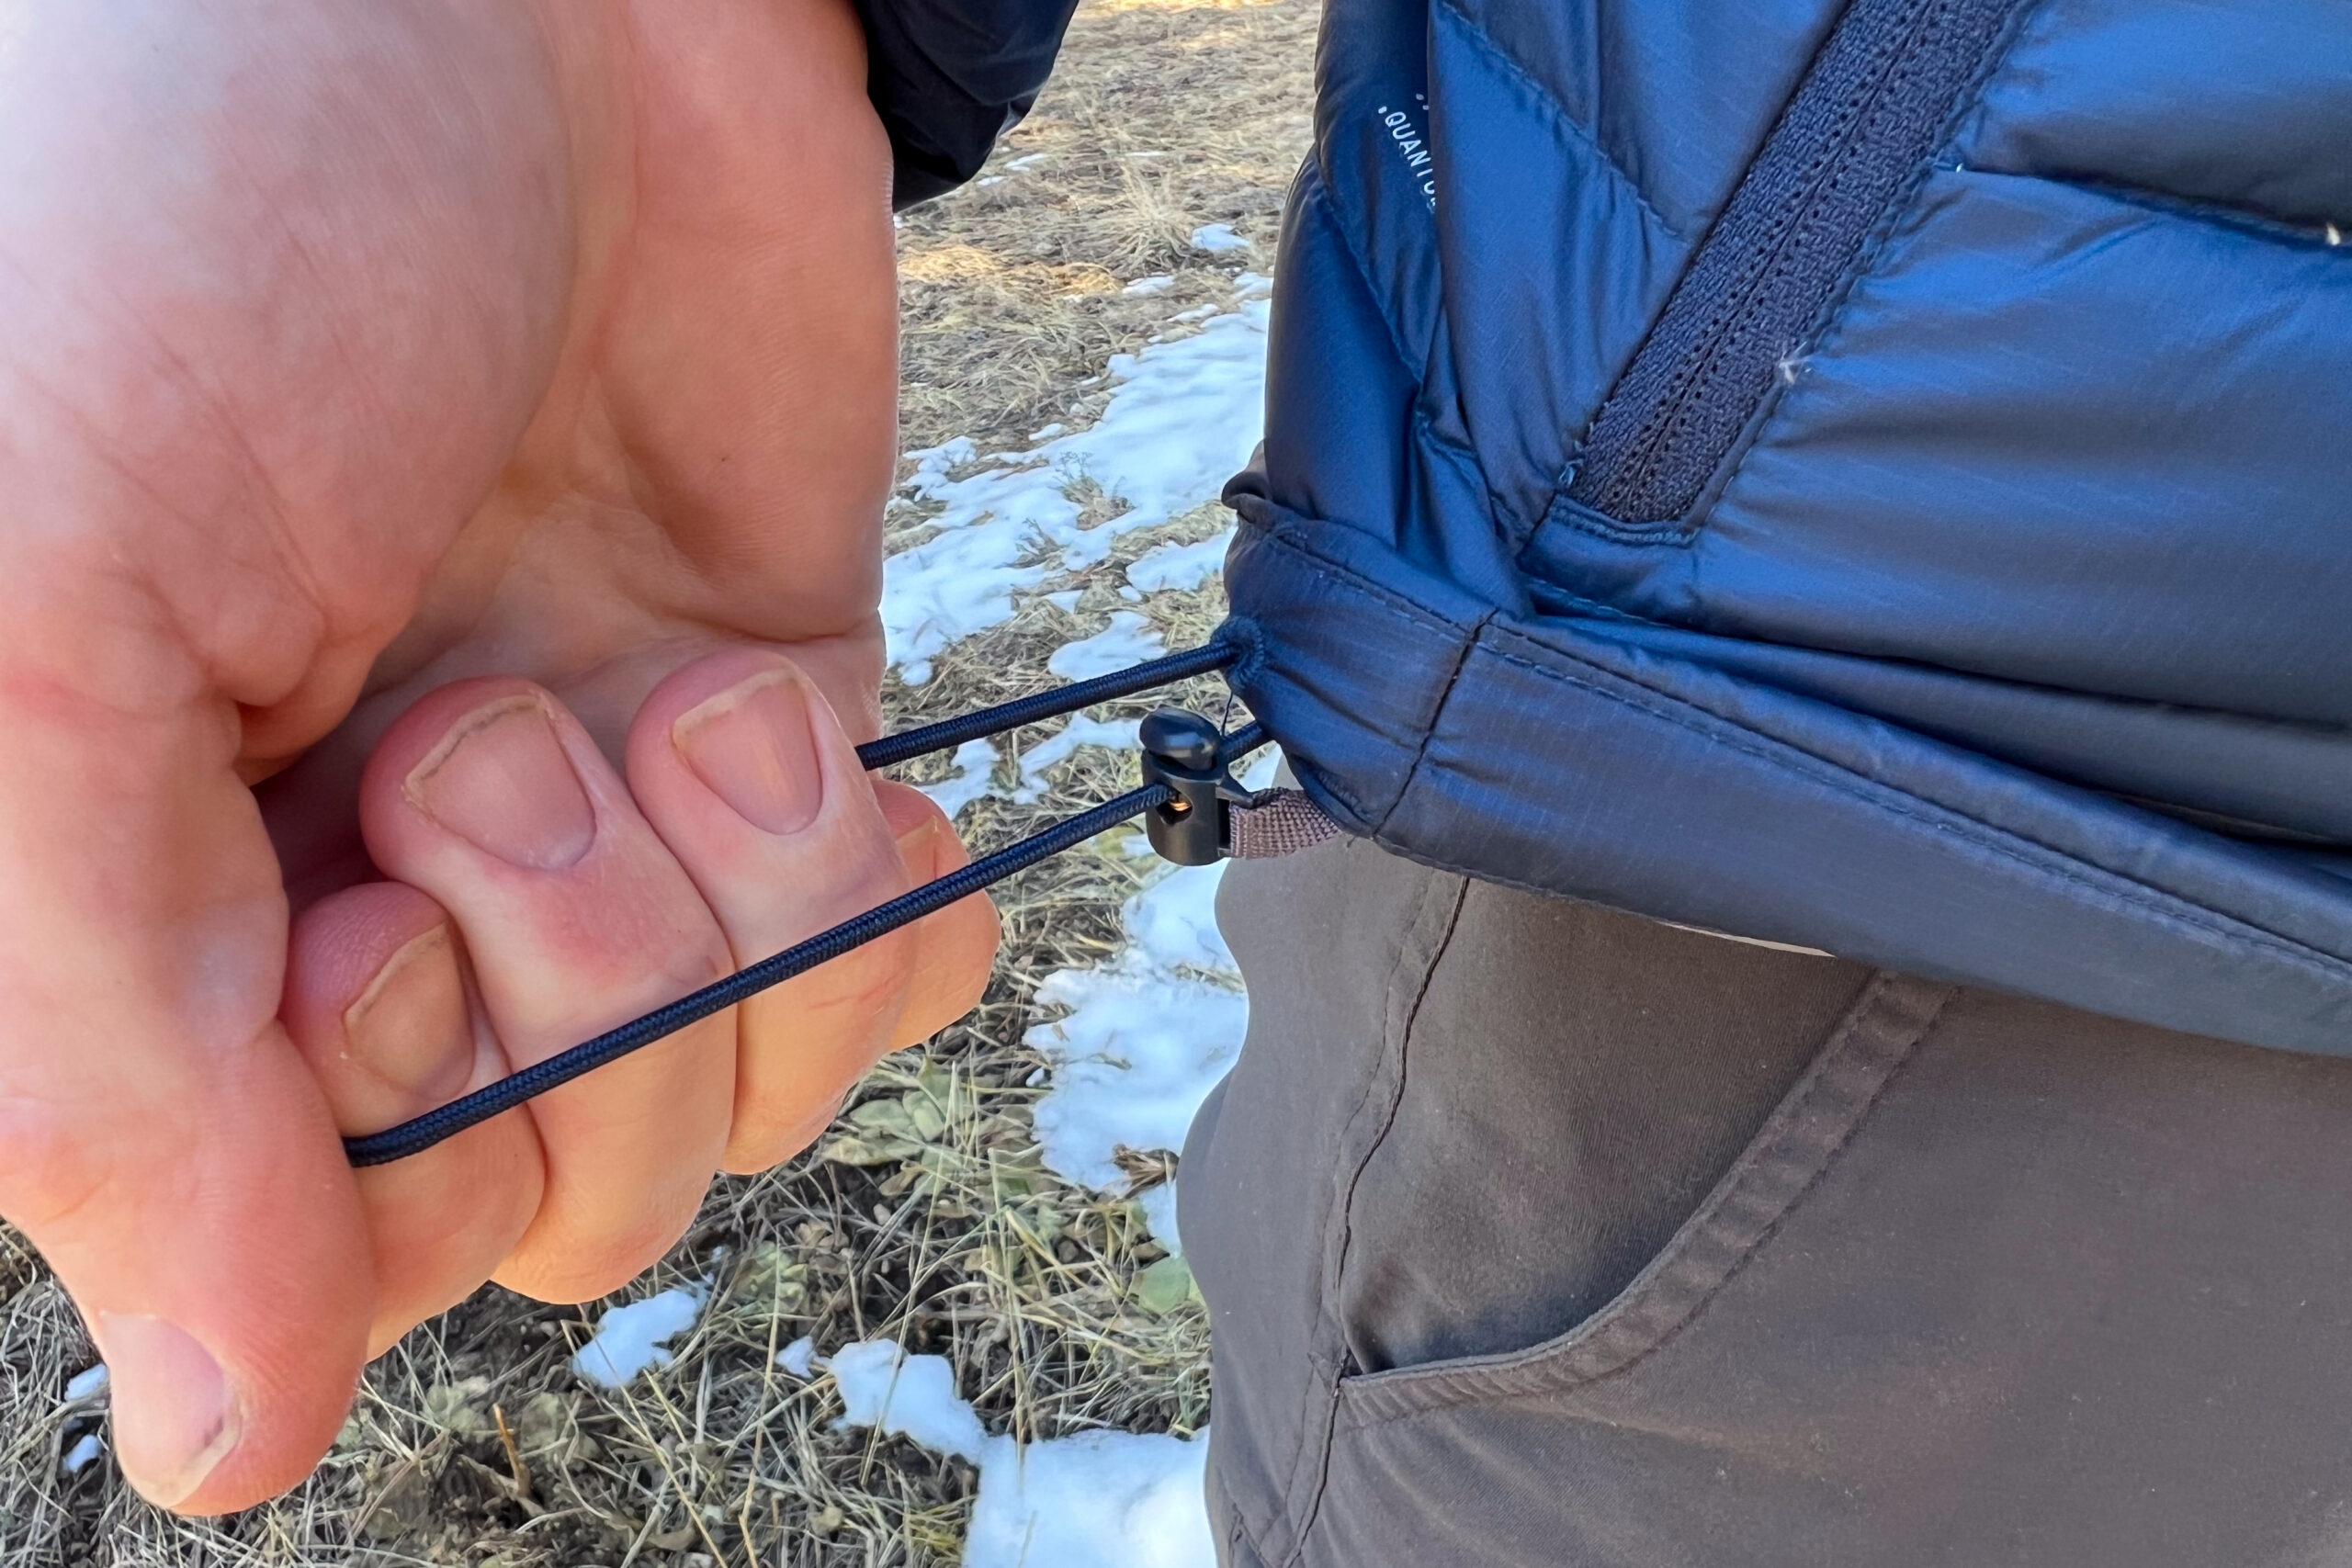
pixel 838 1006
pixel 776 1123
pixel 590 1258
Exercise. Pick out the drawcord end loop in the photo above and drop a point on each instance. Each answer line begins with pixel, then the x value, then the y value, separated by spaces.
pixel 1196 813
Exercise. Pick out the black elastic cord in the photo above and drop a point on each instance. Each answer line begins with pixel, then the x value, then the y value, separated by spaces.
pixel 908 744
pixel 1244 740
pixel 422 1132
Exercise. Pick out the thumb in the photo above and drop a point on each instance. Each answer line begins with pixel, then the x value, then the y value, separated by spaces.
pixel 161 1142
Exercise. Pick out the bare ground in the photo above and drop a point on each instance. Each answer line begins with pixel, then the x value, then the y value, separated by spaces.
pixel 925 1216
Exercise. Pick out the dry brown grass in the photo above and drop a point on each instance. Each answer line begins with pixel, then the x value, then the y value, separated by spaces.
pixel 932 1221
pixel 1164 117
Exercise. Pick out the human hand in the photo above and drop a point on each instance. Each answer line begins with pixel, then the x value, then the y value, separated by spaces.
pixel 356 349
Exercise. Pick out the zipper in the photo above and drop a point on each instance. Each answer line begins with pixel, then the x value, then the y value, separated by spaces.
pixel 1871 107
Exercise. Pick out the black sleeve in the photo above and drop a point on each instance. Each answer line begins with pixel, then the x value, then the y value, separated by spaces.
pixel 950 76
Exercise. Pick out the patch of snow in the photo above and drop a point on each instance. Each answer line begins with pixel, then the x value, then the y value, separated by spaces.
pixel 85 1382
pixel 1028 161
pixel 933 462
pixel 1093 1500
pixel 78 1458
pixel 1147 1036
pixel 1172 922
pixel 1119 734
pixel 1196 313
pixel 1217 239
pixel 1045 432
pixel 1158 283
pixel 1159 1205
pixel 948 587
pixel 799 1358
pixel 975 764
pixel 1182 419
pixel 630 1338
pixel 1252 284
pixel 912 1396
pixel 1129 639
pixel 1131 593
pixel 991 179
pixel 1065 601
pixel 1180 566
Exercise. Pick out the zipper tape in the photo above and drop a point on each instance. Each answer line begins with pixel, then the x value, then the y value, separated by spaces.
pixel 1857 130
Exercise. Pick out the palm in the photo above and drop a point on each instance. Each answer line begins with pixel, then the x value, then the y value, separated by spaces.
pixel 703 455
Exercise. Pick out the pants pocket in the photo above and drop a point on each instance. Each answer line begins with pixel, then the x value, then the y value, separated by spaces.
pixel 1465 1119
pixel 1999 1281
pixel 1619 1441
pixel 1796 1145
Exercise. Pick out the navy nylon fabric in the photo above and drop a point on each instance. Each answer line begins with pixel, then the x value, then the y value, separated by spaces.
pixel 2011 641
pixel 2244 107
pixel 1539 308
pixel 2007 641
pixel 1675 94
pixel 1994 459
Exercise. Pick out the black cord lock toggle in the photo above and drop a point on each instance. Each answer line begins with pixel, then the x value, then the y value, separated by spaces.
pixel 1187 752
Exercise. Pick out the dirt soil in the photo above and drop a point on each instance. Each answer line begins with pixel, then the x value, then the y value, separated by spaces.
pixel 925 1215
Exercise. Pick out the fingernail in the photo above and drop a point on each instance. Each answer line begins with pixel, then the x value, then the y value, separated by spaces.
pixel 174 1414
pixel 502 781
pixel 752 745
pixel 408 1028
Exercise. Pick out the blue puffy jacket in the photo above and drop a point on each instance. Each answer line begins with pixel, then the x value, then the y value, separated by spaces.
pixel 1873 476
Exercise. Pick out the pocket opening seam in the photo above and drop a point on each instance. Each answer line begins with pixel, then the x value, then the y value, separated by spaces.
pixel 1433 951
pixel 1799 1146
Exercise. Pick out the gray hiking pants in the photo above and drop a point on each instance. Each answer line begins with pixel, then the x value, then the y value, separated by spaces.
pixel 1538 1233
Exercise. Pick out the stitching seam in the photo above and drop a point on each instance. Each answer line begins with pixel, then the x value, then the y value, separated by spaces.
pixel 1445 943
pixel 1399 609
pixel 1279 532
pixel 1336 1250
pixel 2243 221
pixel 1779 753
pixel 1326 199
pixel 1277 535
pixel 1573 129
pixel 1437 718
pixel 1314 1382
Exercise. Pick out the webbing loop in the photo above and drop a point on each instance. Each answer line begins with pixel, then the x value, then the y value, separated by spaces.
pixel 422 1132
